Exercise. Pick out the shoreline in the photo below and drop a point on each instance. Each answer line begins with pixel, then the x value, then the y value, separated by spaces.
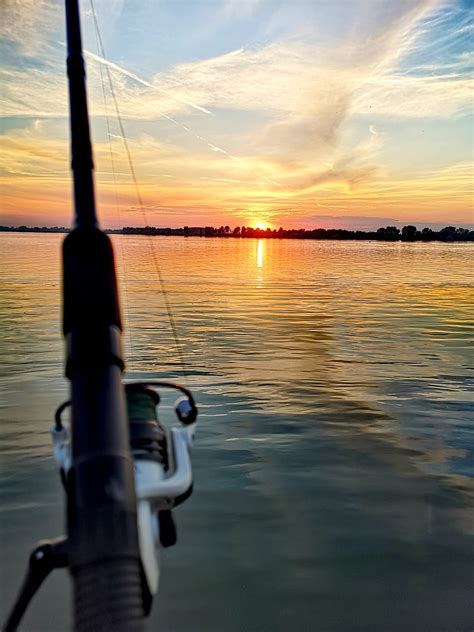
pixel 408 234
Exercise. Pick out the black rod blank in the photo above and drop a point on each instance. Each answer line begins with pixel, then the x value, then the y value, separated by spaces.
pixel 81 149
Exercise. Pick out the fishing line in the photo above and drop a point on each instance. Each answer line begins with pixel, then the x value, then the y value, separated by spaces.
pixel 117 209
pixel 140 201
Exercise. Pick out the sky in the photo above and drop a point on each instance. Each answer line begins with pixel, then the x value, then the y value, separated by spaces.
pixel 316 113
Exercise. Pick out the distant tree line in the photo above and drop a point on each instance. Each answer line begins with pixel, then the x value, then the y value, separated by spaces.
pixel 388 233
pixel 34 229
pixel 148 230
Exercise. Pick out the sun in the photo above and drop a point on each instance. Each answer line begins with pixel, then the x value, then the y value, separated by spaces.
pixel 261 224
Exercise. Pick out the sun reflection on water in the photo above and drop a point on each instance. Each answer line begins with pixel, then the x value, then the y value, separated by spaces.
pixel 260 253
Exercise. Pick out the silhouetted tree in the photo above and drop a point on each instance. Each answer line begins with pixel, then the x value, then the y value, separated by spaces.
pixel 409 233
pixel 448 233
pixel 462 234
pixel 427 234
pixel 389 233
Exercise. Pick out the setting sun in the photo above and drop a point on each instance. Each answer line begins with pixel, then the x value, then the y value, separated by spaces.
pixel 261 225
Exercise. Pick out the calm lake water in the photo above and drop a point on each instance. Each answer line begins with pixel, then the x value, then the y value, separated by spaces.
pixel 334 460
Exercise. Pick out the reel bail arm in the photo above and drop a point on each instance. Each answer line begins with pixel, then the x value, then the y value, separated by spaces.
pixel 48 555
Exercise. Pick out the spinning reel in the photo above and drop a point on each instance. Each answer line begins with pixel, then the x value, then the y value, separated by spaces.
pixel 163 480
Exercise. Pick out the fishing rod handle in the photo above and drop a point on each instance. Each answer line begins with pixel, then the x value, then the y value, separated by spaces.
pixel 108 597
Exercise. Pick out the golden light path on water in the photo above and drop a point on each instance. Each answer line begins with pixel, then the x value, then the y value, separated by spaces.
pixel 259 253
pixel 334 432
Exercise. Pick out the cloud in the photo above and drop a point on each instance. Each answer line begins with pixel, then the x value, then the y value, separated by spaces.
pixel 305 91
pixel 396 95
pixel 28 23
pixel 31 24
pixel 32 152
pixel 33 92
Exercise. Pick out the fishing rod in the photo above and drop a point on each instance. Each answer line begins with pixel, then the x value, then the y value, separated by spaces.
pixel 122 471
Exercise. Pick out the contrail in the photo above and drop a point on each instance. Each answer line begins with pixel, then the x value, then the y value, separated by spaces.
pixel 211 146
pixel 138 79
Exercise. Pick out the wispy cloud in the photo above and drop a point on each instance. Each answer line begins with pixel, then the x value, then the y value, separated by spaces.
pixel 28 23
